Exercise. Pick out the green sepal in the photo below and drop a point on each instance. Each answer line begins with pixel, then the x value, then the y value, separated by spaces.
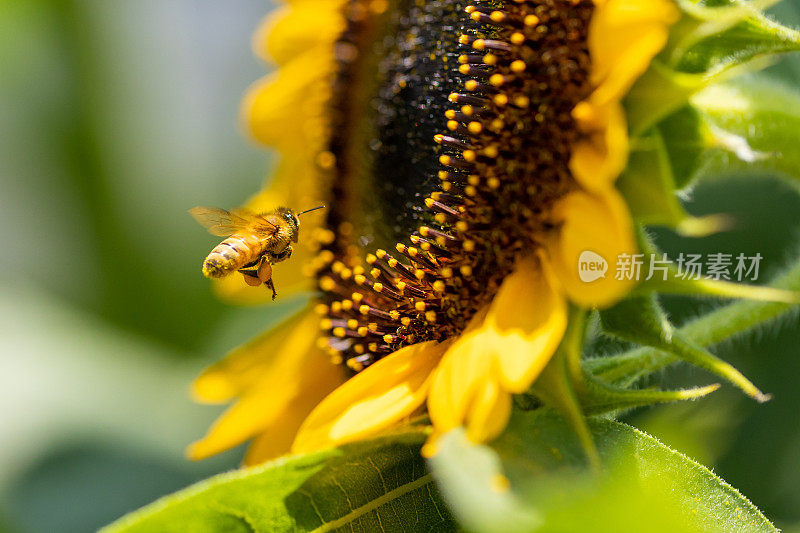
pixel 714 38
pixel 753 125
pixel 601 398
pixel 641 319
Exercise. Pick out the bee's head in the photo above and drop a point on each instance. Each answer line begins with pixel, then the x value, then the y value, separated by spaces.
pixel 291 219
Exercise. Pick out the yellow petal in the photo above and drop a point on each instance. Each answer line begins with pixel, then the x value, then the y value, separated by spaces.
pixel 373 400
pixel 285 108
pixel 600 156
pixel 592 226
pixel 624 36
pixel 277 392
pixel 288 31
pixel 283 345
pixel 489 412
pixel 525 324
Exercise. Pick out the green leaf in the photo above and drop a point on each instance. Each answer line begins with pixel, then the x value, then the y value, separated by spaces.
pixel 644 486
pixel 379 485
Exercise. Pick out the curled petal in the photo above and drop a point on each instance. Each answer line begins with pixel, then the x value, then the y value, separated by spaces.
pixel 489 413
pixel 595 231
pixel 624 36
pixel 373 400
pixel 601 154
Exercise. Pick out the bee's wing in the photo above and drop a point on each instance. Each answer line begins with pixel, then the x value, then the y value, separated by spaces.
pixel 261 226
pixel 220 222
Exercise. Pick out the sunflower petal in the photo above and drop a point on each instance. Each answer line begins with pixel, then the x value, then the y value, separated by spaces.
pixel 281 372
pixel 289 30
pixel 373 400
pixel 525 325
pixel 601 225
pixel 624 36
pixel 601 155
pixel 489 412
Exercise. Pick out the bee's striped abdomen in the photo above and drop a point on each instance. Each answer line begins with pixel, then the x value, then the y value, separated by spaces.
pixel 232 254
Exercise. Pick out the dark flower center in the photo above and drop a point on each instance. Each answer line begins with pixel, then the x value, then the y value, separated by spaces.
pixel 451 133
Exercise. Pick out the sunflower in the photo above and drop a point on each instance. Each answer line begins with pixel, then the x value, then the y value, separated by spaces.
pixel 468 155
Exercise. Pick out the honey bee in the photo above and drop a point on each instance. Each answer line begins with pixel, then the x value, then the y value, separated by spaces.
pixel 255 241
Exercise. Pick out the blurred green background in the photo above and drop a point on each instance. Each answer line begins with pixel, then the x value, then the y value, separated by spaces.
pixel 115 118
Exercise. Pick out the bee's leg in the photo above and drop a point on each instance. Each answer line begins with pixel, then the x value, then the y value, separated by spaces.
pixel 265 275
pixel 271 285
pixel 283 256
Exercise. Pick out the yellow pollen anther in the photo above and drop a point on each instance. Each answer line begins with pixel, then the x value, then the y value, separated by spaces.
pixel 497 80
pixel 474 127
pixel 357 297
pixel 337 267
pixel 440 218
pixel 400 247
pixel 339 332
pixel 358 348
pixel 439 286
pixel 325 323
pixel 522 101
pixel 336 307
pixel 451 114
pixel 360 279
pixel 347 305
pixel 518 66
pixel 465 270
pixel 501 100
pixel 375 273
pixel 419 274
pixel 446 272
pixel 478 44
pixel 445 159
pixel 443 175
pixel 453 97
pixel 322 343
pixel 476 16
pixel 470 155
pixel 463 59
pixel 497 16
pixel 394 315
pixel 371 259
pixel 493 183
pixel 438 138
pixel 362 331
pixel 364 309
pixel 321 309
pixel 470 190
pixel 469 9
pixel 424 230
pixel 467 110
pixel 327 284
pixel 430 316
pixel 388 338
pixel 470 85
pixel 531 20
pixel 352 323
pixel 462 226
pixel 326 160
pixel 378 287
pixel 517 38
pixel 490 59
pixel 326 256
pixel 452 125
pixel 463 39
pixel 355 365
pixel 401 286
pixel 469 246
pixel 419 306
pixel 406 321
pixel 491 151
